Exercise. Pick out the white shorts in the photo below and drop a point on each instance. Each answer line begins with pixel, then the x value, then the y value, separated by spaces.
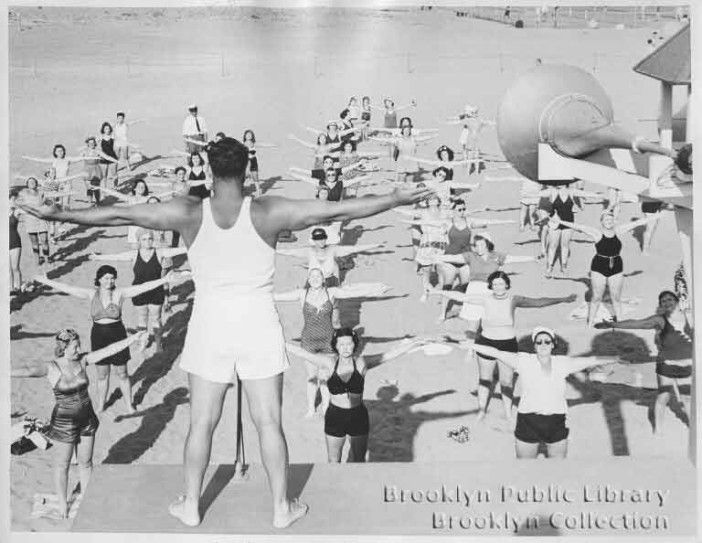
pixel 474 312
pixel 242 336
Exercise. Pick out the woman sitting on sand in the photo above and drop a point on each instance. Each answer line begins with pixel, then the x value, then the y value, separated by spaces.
pixel 674 337
pixel 148 264
pixel 320 315
pixel 73 420
pixel 497 330
pixel 607 266
pixel 541 416
pixel 106 313
pixel 323 256
pixel 346 414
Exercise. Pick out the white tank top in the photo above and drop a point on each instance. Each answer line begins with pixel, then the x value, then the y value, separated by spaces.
pixel 120 132
pixel 498 322
pixel 233 262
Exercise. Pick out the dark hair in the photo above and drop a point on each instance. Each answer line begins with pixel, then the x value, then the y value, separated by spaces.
pixel 319 233
pixel 121 114
pixel 102 128
pixel 682 160
pixel 247 131
pixel 349 142
pixel 365 98
pixel 153 199
pixel 344 113
pixel 190 159
pixel 58 146
pixel 63 340
pixel 332 123
pixel 667 293
pixel 441 169
pixel 458 202
pixel 179 168
pixel 26 183
pixel 332 170
pixel 228 158
pixel 104 270
pixel 326 139
pixel 220 135
pixel 145 186
pixel 489 244
pixel 448 150
pixel 344 332
pixel 403 119
pixel 91 138
pixel 499 274
pixel 328 157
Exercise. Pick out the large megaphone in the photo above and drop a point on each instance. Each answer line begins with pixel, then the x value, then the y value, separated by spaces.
pixel 565 107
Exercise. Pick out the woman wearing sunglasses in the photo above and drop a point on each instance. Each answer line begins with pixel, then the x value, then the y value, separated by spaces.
pixel 497 330
pixel 541 416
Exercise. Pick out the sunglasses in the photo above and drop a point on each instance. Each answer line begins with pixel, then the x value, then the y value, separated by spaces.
pixel 543 342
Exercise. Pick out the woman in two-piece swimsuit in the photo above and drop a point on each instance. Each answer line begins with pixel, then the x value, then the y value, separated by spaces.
pixel 321 316
pixel 346 415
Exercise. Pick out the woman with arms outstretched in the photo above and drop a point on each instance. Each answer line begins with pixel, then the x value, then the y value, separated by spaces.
pixel 106 313
pixel 73 420
pixel 541 416
pixel 346 414
pixel 234 328
pixel 320 315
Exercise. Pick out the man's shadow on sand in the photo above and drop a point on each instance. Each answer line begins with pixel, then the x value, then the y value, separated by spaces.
pixel 394 422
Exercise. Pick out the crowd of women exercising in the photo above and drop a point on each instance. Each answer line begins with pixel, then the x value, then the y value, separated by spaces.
pixel 455 255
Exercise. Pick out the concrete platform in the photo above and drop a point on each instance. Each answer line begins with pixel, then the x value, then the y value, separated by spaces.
pixel 366 499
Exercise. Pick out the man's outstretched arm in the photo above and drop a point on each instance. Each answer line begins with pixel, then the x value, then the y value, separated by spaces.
pixel 163 216
pixel 288 214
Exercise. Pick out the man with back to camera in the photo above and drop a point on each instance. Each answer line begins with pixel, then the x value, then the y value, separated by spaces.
pixel 234 327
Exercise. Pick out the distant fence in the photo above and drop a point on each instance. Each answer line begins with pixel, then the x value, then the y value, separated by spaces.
pixel 575 16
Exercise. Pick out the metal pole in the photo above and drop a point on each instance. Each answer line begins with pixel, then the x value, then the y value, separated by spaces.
pixel 240 462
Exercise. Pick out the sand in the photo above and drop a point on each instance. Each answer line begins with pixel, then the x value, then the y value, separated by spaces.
pixel 275 71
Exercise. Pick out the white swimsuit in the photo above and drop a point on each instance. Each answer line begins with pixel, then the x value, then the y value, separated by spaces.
pixel 234 327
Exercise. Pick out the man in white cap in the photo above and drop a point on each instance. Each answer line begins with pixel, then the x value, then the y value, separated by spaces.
pixel 194 128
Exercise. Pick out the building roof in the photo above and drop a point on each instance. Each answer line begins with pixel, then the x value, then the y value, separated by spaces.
pixel 670 62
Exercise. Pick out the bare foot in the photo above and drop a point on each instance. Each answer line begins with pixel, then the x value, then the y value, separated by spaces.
pixel 185 512
pixel 295 511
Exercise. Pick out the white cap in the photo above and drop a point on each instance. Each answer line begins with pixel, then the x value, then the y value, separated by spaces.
pixel 192 106
pixel 484 235
pixel 542 330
